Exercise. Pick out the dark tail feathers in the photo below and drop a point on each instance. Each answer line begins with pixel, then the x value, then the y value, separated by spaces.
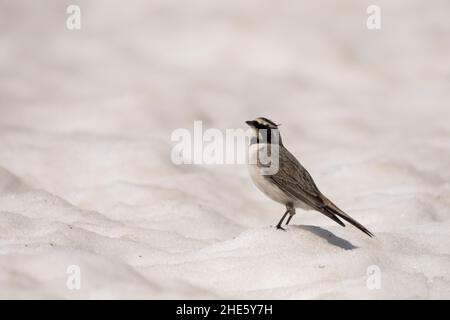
pixel 331 211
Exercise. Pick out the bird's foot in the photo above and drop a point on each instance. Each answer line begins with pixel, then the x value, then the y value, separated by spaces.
pixel 280 228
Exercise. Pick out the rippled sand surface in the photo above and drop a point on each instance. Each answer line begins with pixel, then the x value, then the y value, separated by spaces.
pixel 86 177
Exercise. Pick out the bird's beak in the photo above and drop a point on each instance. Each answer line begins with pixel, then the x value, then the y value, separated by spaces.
pixel 250 123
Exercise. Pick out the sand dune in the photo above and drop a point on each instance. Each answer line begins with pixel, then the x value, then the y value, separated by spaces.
pixel 86 177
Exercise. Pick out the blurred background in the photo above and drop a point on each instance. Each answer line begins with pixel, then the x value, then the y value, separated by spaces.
pixel 86 115
pixel 140 69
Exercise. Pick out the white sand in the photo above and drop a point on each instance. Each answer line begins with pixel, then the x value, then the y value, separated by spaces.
pixel 85 171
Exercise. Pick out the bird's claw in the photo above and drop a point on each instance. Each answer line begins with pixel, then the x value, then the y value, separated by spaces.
pixel 280 228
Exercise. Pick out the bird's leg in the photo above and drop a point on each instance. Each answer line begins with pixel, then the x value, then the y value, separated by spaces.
pixel 291 214
pixel 281 221
pixel 289 219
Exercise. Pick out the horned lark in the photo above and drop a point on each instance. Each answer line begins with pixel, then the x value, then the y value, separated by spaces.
pixel 284 179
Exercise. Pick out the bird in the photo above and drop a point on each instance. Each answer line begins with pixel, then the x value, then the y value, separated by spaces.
pixel 281 177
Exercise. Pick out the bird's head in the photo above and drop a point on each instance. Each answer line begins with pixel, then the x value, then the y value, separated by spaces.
pixel 264 128
pixel 262 123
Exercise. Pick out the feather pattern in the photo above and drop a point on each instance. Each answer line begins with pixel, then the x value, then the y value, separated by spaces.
pixel 294 180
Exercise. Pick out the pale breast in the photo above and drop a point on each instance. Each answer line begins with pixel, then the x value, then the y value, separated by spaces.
pixel 264 185
pixel 268 188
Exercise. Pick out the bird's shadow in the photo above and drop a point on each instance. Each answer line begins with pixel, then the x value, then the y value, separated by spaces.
pixel 329 236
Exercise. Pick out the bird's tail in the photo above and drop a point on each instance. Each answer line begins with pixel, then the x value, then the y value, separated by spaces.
pixel 331 210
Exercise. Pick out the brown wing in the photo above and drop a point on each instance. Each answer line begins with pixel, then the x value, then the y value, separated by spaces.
pixel 293 179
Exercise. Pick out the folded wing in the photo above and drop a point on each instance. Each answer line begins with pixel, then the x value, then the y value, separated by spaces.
pixel 293 179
